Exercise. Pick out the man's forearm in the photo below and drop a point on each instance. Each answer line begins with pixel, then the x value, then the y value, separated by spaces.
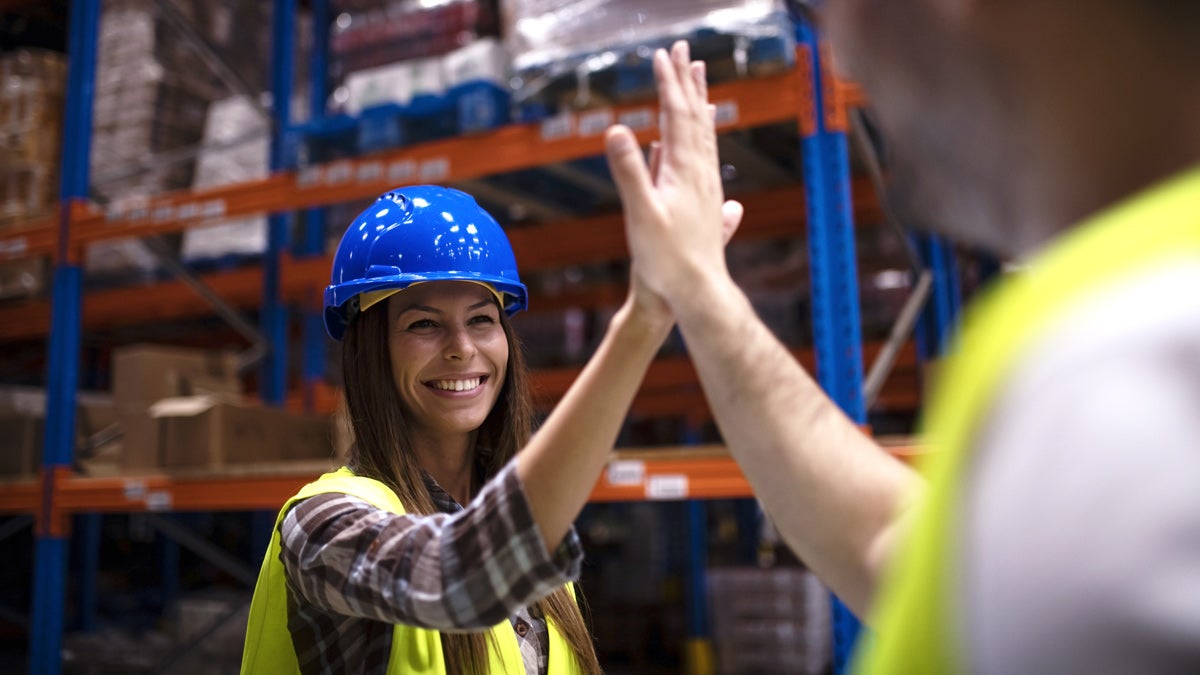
pixel 831 491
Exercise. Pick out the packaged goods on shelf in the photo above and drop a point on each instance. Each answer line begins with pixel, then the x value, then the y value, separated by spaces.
pixel 152 94
pixel 182 408
pixel 23 277
pixel 236 147
pixel 571 54
pixel 32 84
pixel 477 82
pixel 372 33
pixel 769 620
pixel 214 433
pixel 424 99
pixel 22 428
pixel 145 374
pixel 151 101
pixel 407 72
pixel 28 191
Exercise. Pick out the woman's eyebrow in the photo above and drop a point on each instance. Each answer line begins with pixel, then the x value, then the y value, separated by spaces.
pixel 422 308
pixel 434 310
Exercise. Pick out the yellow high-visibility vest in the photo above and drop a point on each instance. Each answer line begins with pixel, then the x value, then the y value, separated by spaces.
pixel 918 627
pixel 269 648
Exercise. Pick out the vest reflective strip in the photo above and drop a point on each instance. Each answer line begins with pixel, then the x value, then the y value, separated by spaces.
pixel 917 619
pixel 269 648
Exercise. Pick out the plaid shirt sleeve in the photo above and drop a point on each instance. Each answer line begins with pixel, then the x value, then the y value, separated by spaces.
pixel 452 572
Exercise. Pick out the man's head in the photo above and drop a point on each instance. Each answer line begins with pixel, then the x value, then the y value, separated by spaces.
pixel 1005 121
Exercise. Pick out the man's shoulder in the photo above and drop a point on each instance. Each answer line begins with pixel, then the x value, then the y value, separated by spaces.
pixel 1081 485
pixel 1132 322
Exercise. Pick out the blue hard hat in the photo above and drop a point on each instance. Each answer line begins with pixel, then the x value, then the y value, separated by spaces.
pixel 415 234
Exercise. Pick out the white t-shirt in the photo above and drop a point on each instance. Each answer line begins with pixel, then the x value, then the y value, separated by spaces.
pixel 1081 541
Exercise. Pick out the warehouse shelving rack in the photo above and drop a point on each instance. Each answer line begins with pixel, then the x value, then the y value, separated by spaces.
pixel 808 95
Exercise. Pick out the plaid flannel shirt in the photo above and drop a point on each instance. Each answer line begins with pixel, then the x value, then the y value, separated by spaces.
pixel 354 570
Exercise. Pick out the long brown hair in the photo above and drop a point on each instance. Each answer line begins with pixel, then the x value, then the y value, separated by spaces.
pixel 382 449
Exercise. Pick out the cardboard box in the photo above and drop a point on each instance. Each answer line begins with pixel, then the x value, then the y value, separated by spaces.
pixel 23 422
pixel 21 443
pixel 144 374
pixel 139 434
pixel 206 431
pixel 23 277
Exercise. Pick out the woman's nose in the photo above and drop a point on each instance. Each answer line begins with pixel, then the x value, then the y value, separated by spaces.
pixel 459 345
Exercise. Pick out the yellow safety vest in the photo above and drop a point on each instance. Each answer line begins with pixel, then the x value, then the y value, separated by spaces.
pixel 269 648
pixel 918 629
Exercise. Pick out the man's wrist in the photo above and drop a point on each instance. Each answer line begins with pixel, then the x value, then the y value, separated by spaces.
pixel 709 298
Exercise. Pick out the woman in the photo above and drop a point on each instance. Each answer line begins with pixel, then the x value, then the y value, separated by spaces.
pixel 378 567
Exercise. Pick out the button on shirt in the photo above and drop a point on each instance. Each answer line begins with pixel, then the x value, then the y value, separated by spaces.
pixel 462 568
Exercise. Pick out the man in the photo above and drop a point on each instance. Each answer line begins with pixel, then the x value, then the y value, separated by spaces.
pixel 1059 530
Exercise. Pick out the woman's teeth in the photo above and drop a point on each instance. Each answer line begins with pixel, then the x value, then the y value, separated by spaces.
pixel 456 385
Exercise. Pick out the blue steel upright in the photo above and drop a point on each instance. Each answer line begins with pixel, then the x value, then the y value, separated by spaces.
pixel 940 316
pixel 699 650
pixel 313 242
pixel 62 377
pixel 274 317
pixel 837 335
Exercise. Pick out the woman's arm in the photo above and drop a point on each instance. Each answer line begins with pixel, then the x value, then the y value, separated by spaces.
pixel 560 465
pixel 449 572
pixel 563 460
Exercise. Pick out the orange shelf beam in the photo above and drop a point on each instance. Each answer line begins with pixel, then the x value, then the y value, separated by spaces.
pixel 770 213
pixel 741 104
pixel 695 472
pixel 18 496
pixel 164 493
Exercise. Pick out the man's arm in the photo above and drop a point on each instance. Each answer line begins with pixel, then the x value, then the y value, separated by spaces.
pixel 832 492
pixel 835 496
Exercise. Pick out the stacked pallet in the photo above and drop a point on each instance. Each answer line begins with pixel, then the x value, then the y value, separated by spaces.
pixel 32 86
pixel 32 90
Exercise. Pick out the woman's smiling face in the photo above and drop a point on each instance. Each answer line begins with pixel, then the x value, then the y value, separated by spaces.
pixel 449 355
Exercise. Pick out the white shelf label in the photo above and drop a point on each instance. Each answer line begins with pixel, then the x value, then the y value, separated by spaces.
pixel 667 486
pixel 134 490
pixel 624 472
pixel 726 114
pixel 213 208
pixel 340 172
pixel 401 171
pixel 369 172
pixel 639 119
pixel 309 175
pixel 159 500
pixel 164 213
pixel 435 169
pixel 559 126
pixel 188 211
pixel 595 122
pixel 14 247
